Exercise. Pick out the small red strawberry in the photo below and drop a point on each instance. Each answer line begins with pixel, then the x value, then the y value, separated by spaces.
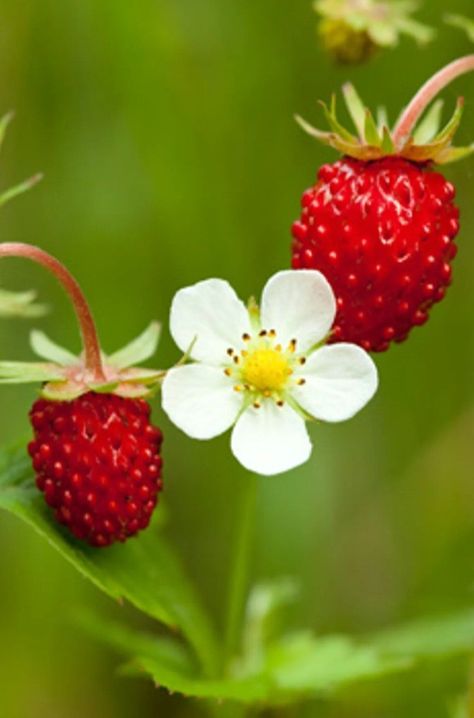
pixel 95 453
pixel 380 224
pixel 97 461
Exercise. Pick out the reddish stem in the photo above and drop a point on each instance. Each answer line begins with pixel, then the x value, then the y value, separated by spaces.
pixel 428 92
pixel 90 340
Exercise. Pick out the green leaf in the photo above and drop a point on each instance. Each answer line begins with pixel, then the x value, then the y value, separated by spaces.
pixel 18 372
pixel 45 348
pixel 139 350
pixel 355 107
pixel 429 638
pixel 20 304
pixel 169 665
pixel 143 571
pixel 428 128
pixel 302 663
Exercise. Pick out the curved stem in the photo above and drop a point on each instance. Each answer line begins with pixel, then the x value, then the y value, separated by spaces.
pixel 93 360
pixel 428 92
pixel 238 588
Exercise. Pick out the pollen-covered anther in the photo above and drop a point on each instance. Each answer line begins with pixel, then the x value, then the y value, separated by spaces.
pixel 292 345
pixel 246 337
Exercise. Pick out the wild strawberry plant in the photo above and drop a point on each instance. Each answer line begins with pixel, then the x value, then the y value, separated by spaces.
pixel 91 482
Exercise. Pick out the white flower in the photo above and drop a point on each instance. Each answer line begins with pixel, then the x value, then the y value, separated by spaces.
pixel 262 370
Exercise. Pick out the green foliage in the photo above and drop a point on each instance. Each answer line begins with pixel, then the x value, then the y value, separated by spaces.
pixel 272 668
pixel 144 571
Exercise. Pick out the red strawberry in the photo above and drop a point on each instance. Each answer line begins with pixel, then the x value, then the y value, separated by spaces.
pixel 97 460
pixel 380 223
pixel 95 453
pixel 381 232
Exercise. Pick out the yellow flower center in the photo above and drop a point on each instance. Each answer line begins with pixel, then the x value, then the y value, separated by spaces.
pixel 265 369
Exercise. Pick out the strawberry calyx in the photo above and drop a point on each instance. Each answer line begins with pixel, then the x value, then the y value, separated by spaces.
pixel 422 142
pixel 66 377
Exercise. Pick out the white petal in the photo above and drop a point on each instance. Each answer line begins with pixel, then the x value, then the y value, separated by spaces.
pixel 211 313
pixel 270 439
pixel 340 380
pixel 200 400
pixel 298 305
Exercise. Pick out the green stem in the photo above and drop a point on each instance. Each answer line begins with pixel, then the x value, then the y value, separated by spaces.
pixel 238 588
pixel 428 92
pixel 90 340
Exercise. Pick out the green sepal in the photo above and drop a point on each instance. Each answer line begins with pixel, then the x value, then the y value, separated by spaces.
pixel 450 129
pixel 453 154
pixel 387 146
pixel 423 34
pixel 45 348
pixel 462 22
pixel 138 350
pixel 19 188
pixel 17 372
pixel 4 122
pixel 355 107
pixel 334 124
pixel 20 304
pixel 426 144
pixel 428 128
pixel 371 134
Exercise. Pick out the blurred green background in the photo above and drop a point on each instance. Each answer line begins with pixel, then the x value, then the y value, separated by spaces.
pixel 165 131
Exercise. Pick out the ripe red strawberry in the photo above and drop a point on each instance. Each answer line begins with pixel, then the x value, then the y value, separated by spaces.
pixel 95 453
pixel 97 461
pixel 380 223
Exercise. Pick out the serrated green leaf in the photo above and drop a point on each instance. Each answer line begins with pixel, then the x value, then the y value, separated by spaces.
pixel 430 637
pixel 307 665
pixel 17 372
pixel 355 107
pixel 171 667
pixel 429 126
pixel 371 134
pixel 20 304
pixel 45 348
pixel 138 350
pixel 144 571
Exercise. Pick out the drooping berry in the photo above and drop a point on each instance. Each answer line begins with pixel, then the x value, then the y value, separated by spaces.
pixel 97 461
pixel 382 233
pixel 380 223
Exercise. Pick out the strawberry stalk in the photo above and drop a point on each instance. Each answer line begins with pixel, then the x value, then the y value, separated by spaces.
pixel 427 93
pixel 90 340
